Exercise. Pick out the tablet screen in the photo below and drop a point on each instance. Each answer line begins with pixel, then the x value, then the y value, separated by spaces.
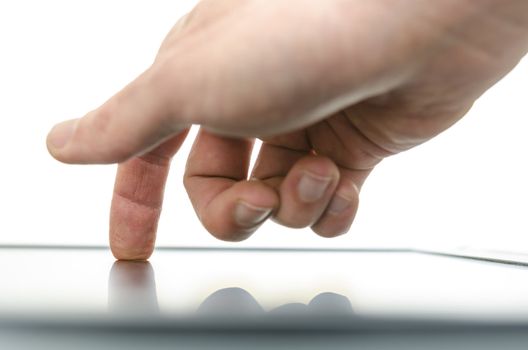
pixel 237 281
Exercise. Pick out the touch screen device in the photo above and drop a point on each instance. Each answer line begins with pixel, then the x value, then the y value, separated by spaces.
pixel 51 296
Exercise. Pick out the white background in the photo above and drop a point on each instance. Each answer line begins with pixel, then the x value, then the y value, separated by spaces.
pixel 60 59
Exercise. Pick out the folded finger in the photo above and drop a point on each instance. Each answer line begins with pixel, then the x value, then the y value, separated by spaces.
pixel 229 206
pixel 341 210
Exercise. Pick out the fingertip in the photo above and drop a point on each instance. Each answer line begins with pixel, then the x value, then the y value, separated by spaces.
pixel 331 227
pixel 340 212
pixel 312 187
pixel 127 243
pixel 59 137
pixel 125 249
pixel 132 229
pixel 314 177
pixel 306 191
pixel 249 215
pixel 239 211
pixel 128 255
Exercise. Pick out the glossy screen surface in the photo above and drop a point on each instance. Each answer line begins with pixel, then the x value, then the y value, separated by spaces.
pixel 180 282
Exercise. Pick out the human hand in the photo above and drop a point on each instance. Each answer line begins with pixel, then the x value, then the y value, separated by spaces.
pixel 331 87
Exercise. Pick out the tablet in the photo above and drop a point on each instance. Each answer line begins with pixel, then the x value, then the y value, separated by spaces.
pixel 182 292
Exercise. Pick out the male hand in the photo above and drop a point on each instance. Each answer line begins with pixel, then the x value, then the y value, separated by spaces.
pixel 331 87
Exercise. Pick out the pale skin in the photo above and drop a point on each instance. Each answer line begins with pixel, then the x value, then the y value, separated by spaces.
pixel 331 87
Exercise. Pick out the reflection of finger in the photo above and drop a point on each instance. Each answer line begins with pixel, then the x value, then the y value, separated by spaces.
pixel 132 288
pixel 230 302
pixel 331 303
pixel 342 208
pixel 306 191
pixel 229 206
pixel 291 309
pixel 137 201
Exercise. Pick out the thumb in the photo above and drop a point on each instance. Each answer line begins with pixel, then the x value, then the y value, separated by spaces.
pixel 132 122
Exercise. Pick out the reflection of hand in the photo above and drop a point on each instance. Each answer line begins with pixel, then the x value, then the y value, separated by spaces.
pixel 332 87
pixel 237 301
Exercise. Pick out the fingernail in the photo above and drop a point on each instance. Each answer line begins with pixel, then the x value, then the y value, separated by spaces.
pixel 62 133
pixel 313 187
pixel 338 204
pixel 247 215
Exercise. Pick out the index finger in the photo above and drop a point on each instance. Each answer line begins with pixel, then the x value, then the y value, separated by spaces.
pixel 138 199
